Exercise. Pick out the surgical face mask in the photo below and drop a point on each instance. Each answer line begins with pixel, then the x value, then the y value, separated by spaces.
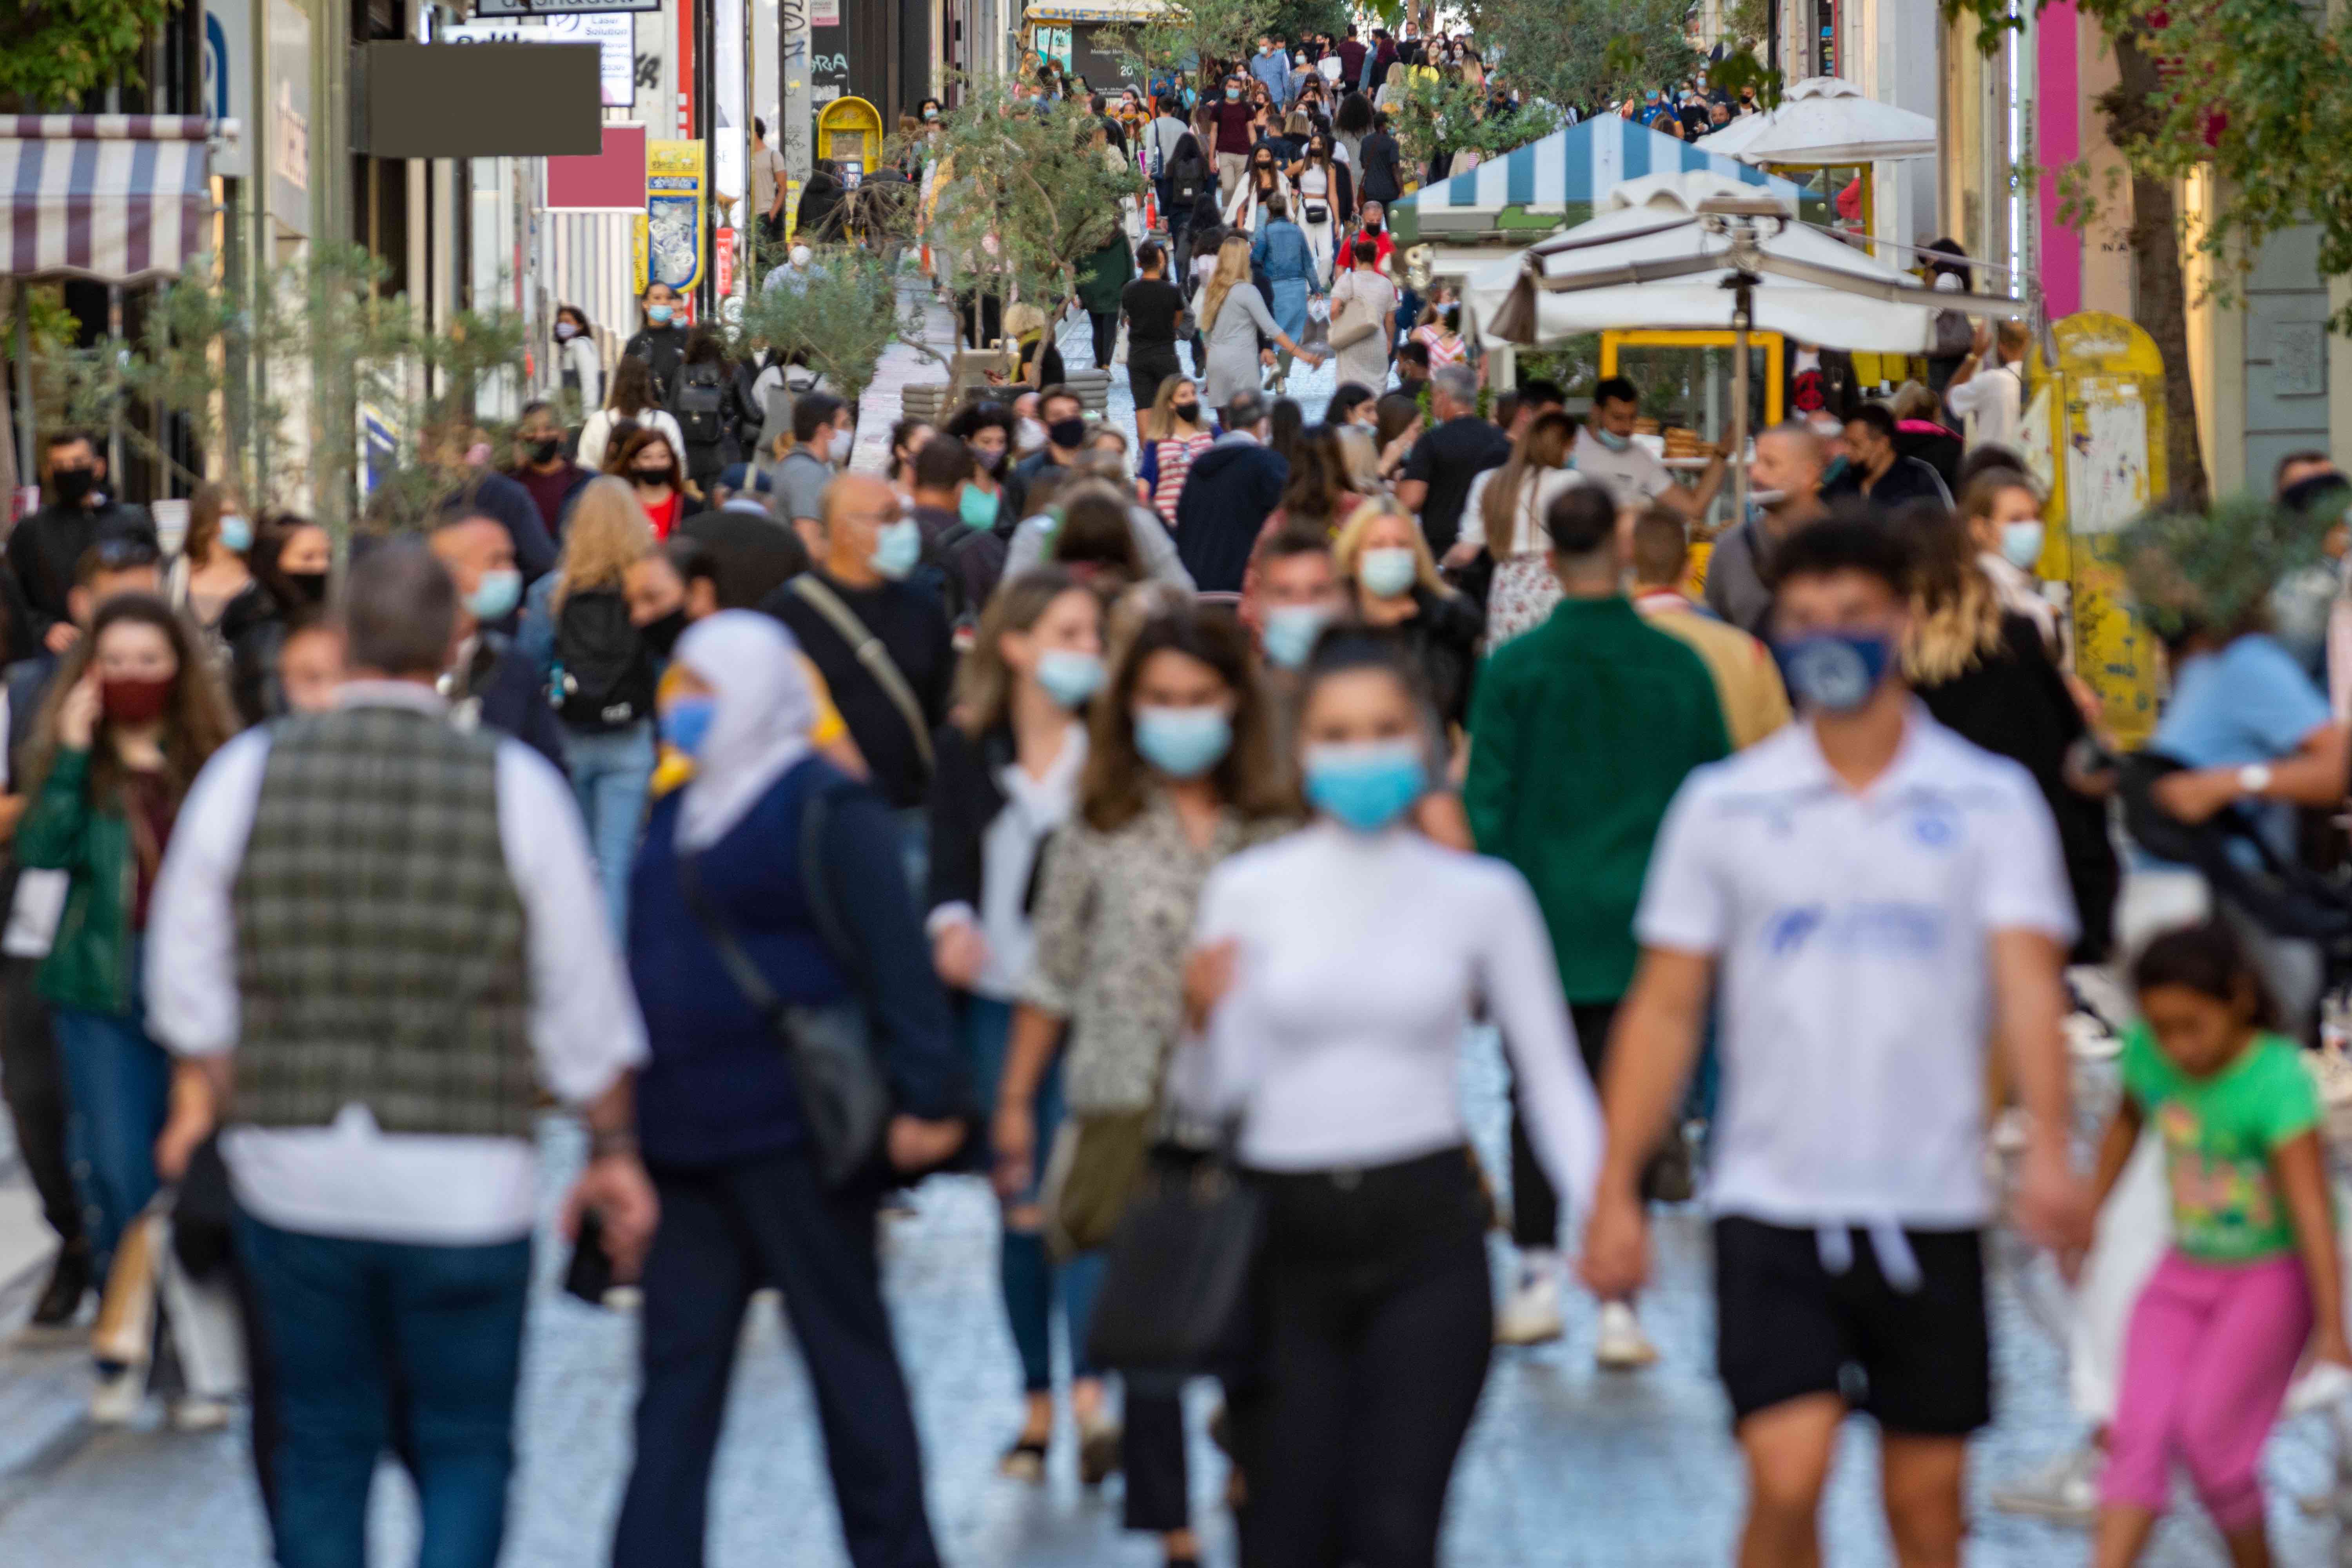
pixel 1067 432
pixel 2021 542
pixel 1069 675
pixel 1289 632
pixel 1836 470
pixel 1387 573
pixel 1232 93
pixel 1948 282
pixel 544 451
pixel 977 508
pixel 496 595
pixel 565 332
pixel 1610 439
pixel 1033 435
pixel 686 723
pixel 1184 742
pixel 657 314
pixel 237 533
pixel 931 114
pixel 897 546
pixel 1834 671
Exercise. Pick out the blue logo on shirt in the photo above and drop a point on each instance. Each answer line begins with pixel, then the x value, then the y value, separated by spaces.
pixel 1879 929
pixel 1935 827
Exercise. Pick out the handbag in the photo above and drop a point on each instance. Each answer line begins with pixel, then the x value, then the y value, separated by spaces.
pixel 1317 212
pixel 1178 1281
pixel 1351 321
pixel 1091 1174
pixel 845 1099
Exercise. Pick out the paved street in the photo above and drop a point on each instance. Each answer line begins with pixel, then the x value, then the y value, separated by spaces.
pixel 1567 1468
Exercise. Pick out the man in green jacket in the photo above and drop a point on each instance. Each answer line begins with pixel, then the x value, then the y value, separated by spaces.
pixel 1582 731
pixel 1101 278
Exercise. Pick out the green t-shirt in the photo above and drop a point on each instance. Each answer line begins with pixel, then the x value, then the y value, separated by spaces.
pixel 2218 1134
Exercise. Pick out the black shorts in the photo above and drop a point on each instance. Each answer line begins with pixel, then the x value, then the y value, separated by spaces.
pixel 1785 1327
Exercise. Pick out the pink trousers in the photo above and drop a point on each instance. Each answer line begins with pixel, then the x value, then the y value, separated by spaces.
pixel 2205 1367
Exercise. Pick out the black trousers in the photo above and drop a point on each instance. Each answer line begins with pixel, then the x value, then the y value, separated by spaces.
pixel 982 316
pixel 1147 368
pixel 725 1232
pixel 1105 327
pixel 34 1081
pixel 1151 1456
pixel 1535 1207
pixel 1375 1325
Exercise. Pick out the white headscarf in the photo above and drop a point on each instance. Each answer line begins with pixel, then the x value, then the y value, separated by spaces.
pixel 761 728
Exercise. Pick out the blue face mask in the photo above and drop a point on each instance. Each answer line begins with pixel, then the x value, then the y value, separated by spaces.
pixel 658 315
pixel 977 508
pixel 496 595
pixel 1835 671
pixel 897 546
pixel 2020 543
pixel 1610 439
pixel 1184 742
pixel 1069 675
pixel 237 534
pixel 1835 471
pixel 1291 631
pixel 1387 573
pixel 686 722
pixel 1366 785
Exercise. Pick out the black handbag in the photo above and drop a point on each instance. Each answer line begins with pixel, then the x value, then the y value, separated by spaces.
pixel 1177 1286
pixel 843 1096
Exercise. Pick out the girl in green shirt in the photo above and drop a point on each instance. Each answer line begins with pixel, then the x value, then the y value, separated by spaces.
pixel 2252 1278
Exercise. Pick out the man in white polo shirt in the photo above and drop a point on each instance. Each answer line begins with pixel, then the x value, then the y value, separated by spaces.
pixel 1873 899
pixel 1607 454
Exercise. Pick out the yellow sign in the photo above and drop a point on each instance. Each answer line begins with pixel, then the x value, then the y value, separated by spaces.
pixel 677 233
pixel 2095 439
pixel 849 131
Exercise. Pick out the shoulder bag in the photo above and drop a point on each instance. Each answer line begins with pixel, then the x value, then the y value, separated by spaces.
pixel 1352 321
pixel 870 653
pixel 843 1096
pixel 1177 1286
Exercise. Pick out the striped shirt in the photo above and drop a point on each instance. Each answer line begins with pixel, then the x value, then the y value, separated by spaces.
pixel 1165 464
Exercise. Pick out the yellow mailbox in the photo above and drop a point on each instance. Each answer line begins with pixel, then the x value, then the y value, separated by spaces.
pixel 849 131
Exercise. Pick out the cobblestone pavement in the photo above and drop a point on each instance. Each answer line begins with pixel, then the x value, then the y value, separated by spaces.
pixel 1566 1466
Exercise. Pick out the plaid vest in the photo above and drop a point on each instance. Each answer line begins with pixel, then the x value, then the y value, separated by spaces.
pixel 379 935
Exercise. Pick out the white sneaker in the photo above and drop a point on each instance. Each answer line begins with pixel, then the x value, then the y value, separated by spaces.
pixel 118 1396
pixel 2065 1491
pixel 1530 1314
pixel 200 1413
pixel 1622 1346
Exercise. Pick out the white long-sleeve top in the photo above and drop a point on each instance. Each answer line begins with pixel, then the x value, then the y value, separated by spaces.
pixel 1358 956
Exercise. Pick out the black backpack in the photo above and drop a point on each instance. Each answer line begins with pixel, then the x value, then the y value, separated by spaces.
pixel 603 675
pixel 1186 176
pixel 702 404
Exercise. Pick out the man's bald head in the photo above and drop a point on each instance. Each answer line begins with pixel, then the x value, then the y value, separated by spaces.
pixel 470 546
pixel 854 509
pixel 1790 460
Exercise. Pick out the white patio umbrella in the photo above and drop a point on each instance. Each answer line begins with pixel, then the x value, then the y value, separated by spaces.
pixel 1698 251
pixel 1824 121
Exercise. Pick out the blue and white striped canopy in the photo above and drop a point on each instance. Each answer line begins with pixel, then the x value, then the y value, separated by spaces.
pixel 1557 180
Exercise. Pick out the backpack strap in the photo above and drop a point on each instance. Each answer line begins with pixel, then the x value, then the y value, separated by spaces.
pixel 870 653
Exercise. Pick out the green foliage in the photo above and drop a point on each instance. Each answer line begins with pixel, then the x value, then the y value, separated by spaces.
pixel 1574 362
pixel 1589 52
pixel 54 51
pixel 1446 114
pixel 1747 23
pixel 1743 68
pixel 1190 31
pixel 841 318
pixel 1295 19
pixel 1025 192
pixel 2216 567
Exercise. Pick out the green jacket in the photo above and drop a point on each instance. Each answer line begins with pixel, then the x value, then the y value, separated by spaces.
pixel 88 966
pixel 1582 731
pixel 1103 274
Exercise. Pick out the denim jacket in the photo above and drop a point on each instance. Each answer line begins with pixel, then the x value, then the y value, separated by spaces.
pixel 1281 249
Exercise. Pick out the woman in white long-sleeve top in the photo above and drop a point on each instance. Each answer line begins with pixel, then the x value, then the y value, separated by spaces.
pixel 1331 977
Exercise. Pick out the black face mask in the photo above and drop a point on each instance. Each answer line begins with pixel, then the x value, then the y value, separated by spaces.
pixel 544 451
pixel 73 485
pixel 650 475
pixel 1190 413
pixel 308 587
pixel 1371 228
pixel 1067 432
pixel 661 636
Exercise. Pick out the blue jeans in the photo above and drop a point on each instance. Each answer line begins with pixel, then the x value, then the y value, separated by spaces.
pixel 612 770
pixel 1031 1281
pixel 344 1319
pixel 118 1087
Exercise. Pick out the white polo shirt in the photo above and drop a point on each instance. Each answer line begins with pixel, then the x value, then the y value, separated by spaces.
pixel 1635 476
pixel 1854 988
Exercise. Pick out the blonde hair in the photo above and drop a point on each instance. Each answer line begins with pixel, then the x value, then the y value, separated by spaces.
pixel 1349 545
pixel 984 682
pixel 1544 444
pixel 1233 267
pixel 1159 420
pixel 606 535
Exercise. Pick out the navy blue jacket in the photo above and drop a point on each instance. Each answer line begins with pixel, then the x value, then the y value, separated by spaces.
pixel 1227 496
pixel 488 493
pixel 717 1089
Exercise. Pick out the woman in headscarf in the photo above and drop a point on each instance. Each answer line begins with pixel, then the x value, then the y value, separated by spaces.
pixel 720 900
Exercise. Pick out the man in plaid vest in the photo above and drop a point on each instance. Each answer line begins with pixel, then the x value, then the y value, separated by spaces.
pixel 382 938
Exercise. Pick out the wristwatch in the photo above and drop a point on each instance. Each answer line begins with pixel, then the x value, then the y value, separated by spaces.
pixel 2254 778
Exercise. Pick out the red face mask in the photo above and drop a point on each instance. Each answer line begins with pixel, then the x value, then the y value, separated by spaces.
pixel 130 700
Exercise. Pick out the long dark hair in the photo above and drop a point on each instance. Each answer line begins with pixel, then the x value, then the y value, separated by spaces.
pixel 638 442
pixel 633 390
pixel 196 721
pixel 1249 778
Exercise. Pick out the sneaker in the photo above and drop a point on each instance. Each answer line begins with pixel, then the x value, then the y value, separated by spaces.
pixel 200 1413
pixel 68 1283
pixel 1530 1314
pixel 120 1391
pixel 1622 1345
pixel 2065 1491
pixel 1024 1461
pixel 1098 1441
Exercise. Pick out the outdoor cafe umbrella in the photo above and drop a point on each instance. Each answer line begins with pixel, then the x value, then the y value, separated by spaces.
pixel 1698 251
pixel 1824 121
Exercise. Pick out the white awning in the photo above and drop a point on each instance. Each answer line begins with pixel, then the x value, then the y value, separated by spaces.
pixel 1825 121
pixel 116 197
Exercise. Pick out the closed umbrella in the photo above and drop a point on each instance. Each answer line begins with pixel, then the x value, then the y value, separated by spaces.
pixel 1824 121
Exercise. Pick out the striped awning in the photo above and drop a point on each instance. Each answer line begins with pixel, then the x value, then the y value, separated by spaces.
pixel 1558 180
pixel 116 197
